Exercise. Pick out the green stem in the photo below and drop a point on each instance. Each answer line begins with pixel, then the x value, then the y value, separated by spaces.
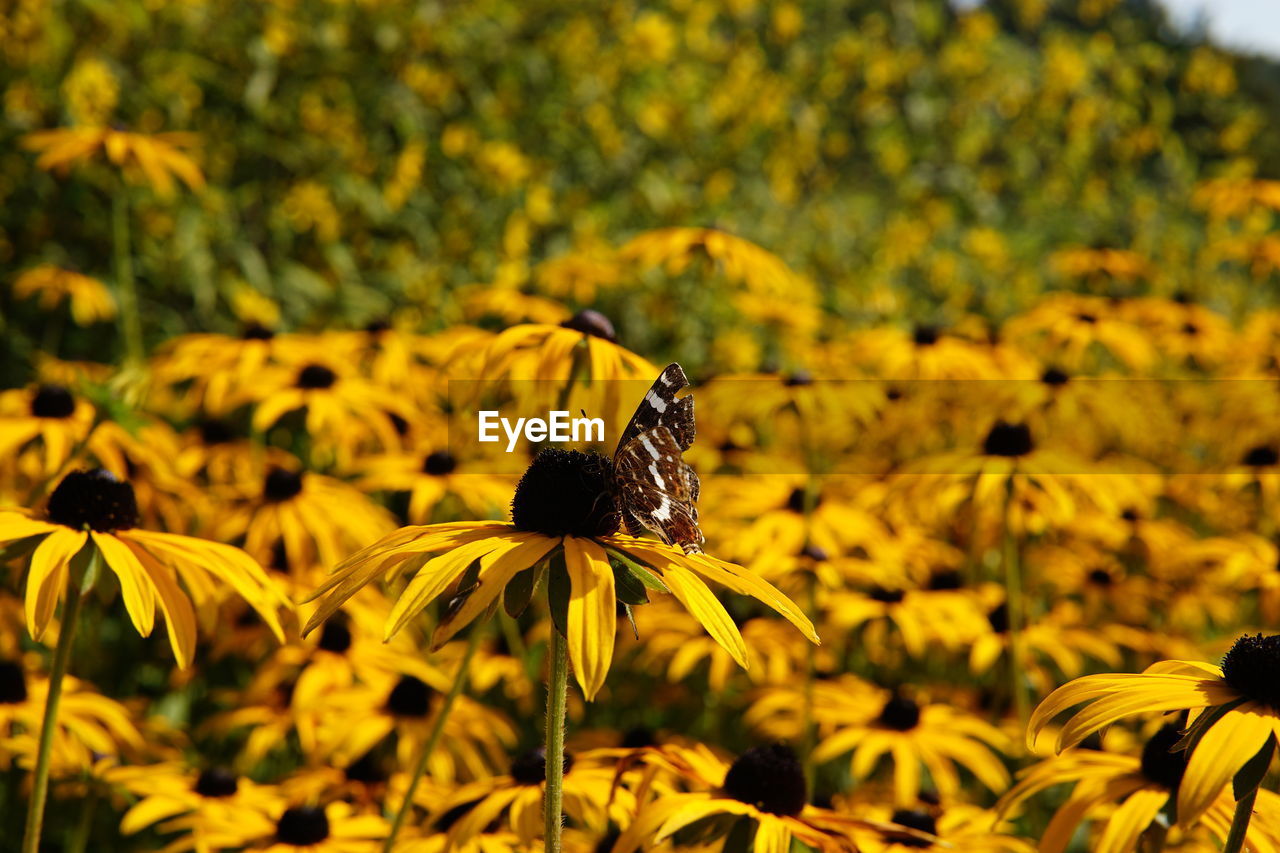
pixel 1014 603
pixel 557 692
pixel 79 841
pixel 437 729
pixel 1240 823
pixel 61 656
pixel 130 320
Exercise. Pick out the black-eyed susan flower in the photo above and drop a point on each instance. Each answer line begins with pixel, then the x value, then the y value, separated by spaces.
pixel 434 477
pixel 762 794
pixel 95 510
pixel 334 827
pixel 90 300
pixel 158 157
pixel 1127 796
pixel 204 798
pixel 1233 724
pixel 89 724
pixel 515 798
pixel 935 736
pixel 563 510
pixel 297 519
pixel 49 413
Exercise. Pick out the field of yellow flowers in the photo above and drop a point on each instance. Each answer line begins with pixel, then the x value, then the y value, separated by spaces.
pixel 935 502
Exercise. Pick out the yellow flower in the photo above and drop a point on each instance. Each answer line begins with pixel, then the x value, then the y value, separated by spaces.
pixel 564 528
pixel 1132 792
pixel 1234 719
pixel 92 511
pixel 91 302
pixel 88 726
pixel 161 157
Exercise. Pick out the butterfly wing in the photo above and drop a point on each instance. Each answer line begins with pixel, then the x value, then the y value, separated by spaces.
pixel 661 408
pixel 656 490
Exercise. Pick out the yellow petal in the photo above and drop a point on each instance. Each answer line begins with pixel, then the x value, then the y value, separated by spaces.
pixel 48 576
pixel 179 616
pixel 15 525
pixel 139 595
pixel 1131 820
pixel 496 569
pixel 593 613
pixel 745 582
pixel 1224 749
pixel 690 591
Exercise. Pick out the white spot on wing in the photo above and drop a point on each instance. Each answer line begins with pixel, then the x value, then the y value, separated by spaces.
pixel 657 402
pixel 663 512
pixel 657 478
pixel 648 445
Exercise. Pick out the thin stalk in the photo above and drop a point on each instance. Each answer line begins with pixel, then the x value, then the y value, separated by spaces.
pixel 130 320
pixel 79 841
pixel 557 692
pixel 437 729
pixel 1240 823
pixel 1014 603
pixel 44 753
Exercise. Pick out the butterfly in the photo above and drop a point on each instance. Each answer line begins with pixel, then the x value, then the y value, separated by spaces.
pixel 653 487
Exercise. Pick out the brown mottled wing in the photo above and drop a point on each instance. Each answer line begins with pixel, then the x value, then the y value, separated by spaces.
pixel 656 490
pixel 661 408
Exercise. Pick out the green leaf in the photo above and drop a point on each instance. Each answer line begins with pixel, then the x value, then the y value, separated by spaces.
pixel 20 547
pixel 642 573
pixel 627 587
pixel 1249 777
pixel 519 592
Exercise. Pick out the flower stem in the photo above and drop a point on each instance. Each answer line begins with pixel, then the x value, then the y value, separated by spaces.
pixel 1240 823
pixel 437 729
pixel 130 320
pixel 557 690
pixel 44 753
pixel 1014 603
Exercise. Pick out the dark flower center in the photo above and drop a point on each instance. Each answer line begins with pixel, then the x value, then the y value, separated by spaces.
pixel 888 596
pixel 638 737
pixel 1261 456
pixel 769 778
pixel 1101 577
pixel 439 463
pixel 999 619
pixel 93 499
pixel 530 768
pixel 13 684
pixel 52 401
pixel 1085 317
pixel 316 376
pixel 1054 376
pixel 370 769
pixel 377 327
pixel 1007 439
pixel 944 579
pixel 336 636
pixel 900 714
pixel 796 500
pixel 1160 765
pixel 1251 667
pixel 1190 329
pixel 566 492
pixel 411 697
pixel 1130 514
pixel 303 825
pixel 592 323
pixel 257 332
pixel 215 432
pixel 281 484
pixel 797 379
pixel 917 820
pixel 217 782
pixel 925 336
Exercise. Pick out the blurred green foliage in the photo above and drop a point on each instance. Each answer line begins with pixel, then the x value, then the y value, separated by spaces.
pixel 917 162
